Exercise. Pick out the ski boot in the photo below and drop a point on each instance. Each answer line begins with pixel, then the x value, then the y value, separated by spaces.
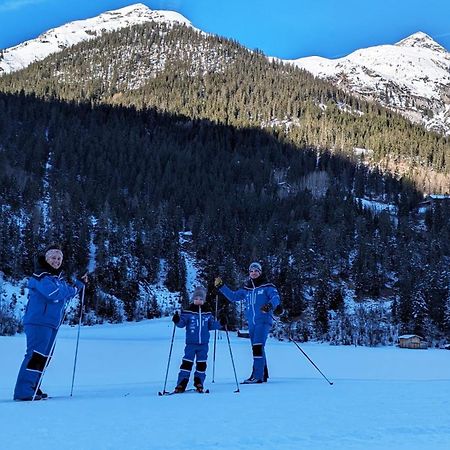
pixel 252 381
pixel 264 380
pixel 181 386
pixel 43 395
pixel 198 384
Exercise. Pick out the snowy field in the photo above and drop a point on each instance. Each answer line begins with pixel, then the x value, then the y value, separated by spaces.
pixel 382 398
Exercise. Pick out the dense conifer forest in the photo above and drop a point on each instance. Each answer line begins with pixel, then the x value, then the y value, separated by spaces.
pixel 123 142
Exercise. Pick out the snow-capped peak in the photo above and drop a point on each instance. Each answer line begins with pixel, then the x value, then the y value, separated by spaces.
pixel 421 40
pixel 57 39
pixel 411 77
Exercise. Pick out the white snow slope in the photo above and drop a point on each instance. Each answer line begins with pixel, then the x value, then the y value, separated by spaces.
pixel 382 398
pixel 411 76
pixel 57 39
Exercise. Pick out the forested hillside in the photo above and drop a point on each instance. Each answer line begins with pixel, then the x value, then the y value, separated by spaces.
pixel 122 142
pixel 179 70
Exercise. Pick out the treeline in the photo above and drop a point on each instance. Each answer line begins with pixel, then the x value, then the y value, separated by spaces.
pixel 129 180
pixel 122 142
pixel 180 71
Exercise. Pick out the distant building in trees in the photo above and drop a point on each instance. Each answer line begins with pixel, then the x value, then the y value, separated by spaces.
pixel 412 341
pixel 429 202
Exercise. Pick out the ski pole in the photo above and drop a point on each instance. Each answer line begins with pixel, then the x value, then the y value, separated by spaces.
pixel 78 340
pixel 44 369
pixel 309 359
pixel 168 362
pixel 232 360
pixel 50 353
pixel 215 343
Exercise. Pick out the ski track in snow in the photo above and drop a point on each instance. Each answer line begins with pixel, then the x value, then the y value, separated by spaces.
pixel 382 398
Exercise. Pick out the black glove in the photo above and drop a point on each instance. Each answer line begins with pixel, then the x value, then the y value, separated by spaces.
pixel 266 308
pixel 278 310
pixel 84 277
pixel 218 282
pixel 223 321
pixel 176 317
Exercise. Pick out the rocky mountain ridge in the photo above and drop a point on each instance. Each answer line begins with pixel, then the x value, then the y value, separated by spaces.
pixel 60 38
pixel 411 77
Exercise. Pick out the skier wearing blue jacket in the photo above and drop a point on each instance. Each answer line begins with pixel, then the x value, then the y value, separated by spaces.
pixel 261 300
pixel 47 298
pixel 198 322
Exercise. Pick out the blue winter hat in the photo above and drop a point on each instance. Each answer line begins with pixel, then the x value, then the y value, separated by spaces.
pixel 255 266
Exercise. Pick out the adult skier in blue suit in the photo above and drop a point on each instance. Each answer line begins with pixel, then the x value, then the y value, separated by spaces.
pixel 261 301
pixel 198 322
pixel 47 298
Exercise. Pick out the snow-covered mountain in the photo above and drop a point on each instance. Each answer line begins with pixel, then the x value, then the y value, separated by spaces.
pixel 57 39
pixel 412 77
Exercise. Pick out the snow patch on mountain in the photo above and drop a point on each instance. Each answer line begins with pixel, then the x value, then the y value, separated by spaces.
pixel 411 77
pixel 169 301
pixel 377 206
pixel 193 266
pixel 57 39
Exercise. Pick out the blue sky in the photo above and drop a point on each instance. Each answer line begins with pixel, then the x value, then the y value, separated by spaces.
pixel 283 28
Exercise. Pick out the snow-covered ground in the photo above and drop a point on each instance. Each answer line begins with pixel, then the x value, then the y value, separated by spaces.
pixel 382 398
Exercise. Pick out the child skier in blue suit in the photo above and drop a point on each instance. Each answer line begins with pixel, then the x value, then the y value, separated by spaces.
pixel 48 295
pixel 198 322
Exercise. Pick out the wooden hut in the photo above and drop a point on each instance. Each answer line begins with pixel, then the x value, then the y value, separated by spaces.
pixel 412 341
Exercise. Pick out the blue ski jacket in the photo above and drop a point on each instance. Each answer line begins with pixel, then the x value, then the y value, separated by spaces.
pixel 256 293
pixel 198 323
pixel 47 296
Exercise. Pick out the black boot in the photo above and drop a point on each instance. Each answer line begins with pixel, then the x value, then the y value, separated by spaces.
pixel 42 394
pixel 198 384
pixel 181 386
pixel 253 381
pixel 249 378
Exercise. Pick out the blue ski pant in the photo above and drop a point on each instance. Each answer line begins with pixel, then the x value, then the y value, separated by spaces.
pixel 258 337
pixel 39 344
pixel 194 352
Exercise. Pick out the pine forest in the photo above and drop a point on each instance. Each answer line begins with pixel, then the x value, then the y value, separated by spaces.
pixel 123 142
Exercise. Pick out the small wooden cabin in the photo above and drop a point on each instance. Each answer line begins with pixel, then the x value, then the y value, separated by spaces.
pixel 412 341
